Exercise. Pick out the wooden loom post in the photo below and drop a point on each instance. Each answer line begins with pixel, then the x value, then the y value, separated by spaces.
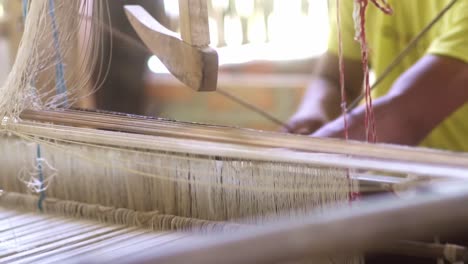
pixel 363 227
pixel 194 22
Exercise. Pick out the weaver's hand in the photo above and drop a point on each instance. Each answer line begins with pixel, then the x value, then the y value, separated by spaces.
pixel 319 106
pixel 334 129
pixel 424 96
pixel 322 100
pixel 304 123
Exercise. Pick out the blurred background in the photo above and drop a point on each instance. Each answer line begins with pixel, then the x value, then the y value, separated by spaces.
pixel 267 50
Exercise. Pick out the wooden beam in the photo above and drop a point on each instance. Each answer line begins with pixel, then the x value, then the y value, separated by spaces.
pixel 194 22
pixel 427 250
pixel 194 65
pixel 323 152
pixel 350 230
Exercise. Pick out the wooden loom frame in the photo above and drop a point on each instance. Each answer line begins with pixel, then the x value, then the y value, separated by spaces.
pixel 342 154
pixel 149 133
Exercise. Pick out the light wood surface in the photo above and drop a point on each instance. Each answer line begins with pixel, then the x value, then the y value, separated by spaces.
pixel 196 67
pixel 426 250
pixel 194 22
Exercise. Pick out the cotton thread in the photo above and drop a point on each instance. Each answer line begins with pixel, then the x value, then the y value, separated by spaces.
pixel 59 67
pixel 40 172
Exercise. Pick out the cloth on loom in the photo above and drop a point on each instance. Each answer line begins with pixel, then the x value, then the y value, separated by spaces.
pixel 151 221
pixel 187 185
pixel 150 185
pixel 33 238
pixel 388 35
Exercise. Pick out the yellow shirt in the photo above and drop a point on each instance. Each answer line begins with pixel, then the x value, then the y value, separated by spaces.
pixel 389 35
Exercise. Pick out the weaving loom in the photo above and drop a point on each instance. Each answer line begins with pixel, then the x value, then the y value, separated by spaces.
pixel 97 186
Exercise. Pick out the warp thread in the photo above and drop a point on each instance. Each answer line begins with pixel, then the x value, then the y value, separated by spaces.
pixel 40 172
pixel 59 67
pixel 353 196
pixel 152 220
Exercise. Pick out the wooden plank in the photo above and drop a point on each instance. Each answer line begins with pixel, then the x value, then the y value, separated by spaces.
pixel 194 22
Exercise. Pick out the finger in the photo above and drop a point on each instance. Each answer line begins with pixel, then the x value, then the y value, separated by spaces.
pixel 292 127
pixel 305 130
pixel 301 128
pixel 286 129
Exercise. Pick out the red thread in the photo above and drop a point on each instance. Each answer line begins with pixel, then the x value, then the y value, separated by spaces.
pixel 354 196
pixel 384 6
pixel 371 133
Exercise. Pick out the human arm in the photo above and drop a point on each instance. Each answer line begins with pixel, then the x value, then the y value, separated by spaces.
pixel 322 100
pixel 418 101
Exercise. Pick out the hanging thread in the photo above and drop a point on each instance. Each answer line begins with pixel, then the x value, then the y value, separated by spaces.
pixel 360 8
pixel 42 195
pixel 59 67
pixel 398 59
pixel 352 195
pixel 40 172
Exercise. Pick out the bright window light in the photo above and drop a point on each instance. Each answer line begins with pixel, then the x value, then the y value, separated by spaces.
pixel 245 8
pixel 233 29
pixel 156 66
pixel 257 29
pixel 213 32
pixel 2 10
pixel 292 33
pixel 220 4
pixel 289 8
pixel 171 7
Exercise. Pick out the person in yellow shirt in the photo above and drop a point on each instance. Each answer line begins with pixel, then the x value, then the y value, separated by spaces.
pixel 422 102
